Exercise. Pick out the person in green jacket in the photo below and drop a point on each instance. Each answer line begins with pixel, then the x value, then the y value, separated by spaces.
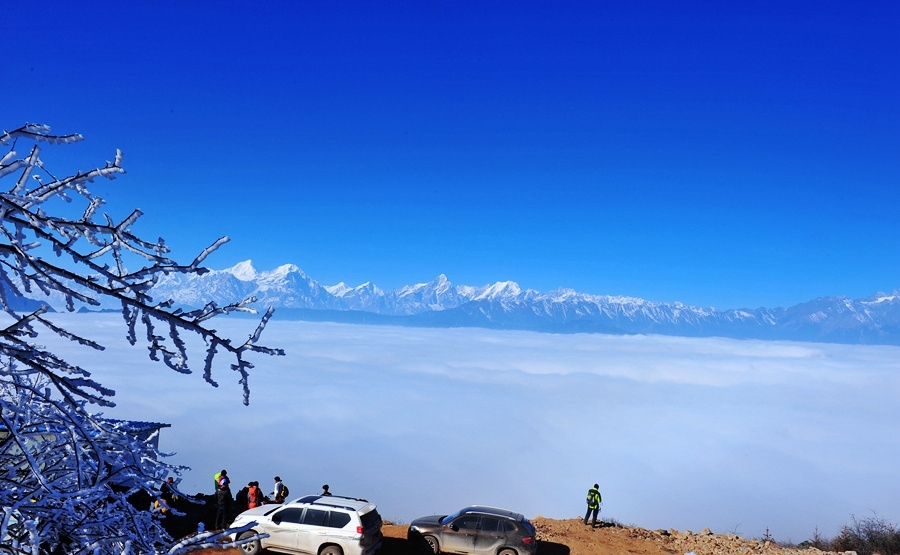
pixel 217 476
pixel 593 504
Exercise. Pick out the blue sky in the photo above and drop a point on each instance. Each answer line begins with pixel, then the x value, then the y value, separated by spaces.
pixel 735 155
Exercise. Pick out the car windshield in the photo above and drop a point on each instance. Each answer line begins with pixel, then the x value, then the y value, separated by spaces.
pixel 449 518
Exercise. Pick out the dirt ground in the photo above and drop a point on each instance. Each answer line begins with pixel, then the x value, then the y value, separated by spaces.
pixel 555 537
pixel 572 537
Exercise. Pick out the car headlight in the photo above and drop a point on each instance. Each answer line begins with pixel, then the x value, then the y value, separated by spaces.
pixel 413 528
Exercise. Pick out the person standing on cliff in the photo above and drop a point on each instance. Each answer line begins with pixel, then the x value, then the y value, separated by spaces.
pixel 223 501
pixel 593 504
pixel 280 492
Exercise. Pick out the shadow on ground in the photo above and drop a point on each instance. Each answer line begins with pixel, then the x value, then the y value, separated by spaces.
pixel 552 548
pixel 402 546
pixel 397 546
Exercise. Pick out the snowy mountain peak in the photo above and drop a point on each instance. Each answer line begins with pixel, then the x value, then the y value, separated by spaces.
pixel 338 290
pixel 501 289
pixel 883 297
pixel 284 270
pixel 441 283
pixel 244 271
pixel 438 285
pixel 344 291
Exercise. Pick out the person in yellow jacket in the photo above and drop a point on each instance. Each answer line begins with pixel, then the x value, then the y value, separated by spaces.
pixel 593 504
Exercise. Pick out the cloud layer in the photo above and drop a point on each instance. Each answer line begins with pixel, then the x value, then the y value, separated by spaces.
pixel 679 432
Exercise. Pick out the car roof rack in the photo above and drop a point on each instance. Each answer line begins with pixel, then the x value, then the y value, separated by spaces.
pixel 495 511
pixel 360 499
pixel 333 500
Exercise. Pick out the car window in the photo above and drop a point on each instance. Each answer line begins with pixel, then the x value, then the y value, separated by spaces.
pixel 315 517
pixel 529 526
pixel 467 522
pixel 292 514
pixel 338 520
pixel 507 526
pixel 488 524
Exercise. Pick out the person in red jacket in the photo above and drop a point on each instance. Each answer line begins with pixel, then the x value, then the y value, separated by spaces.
pixel 254 495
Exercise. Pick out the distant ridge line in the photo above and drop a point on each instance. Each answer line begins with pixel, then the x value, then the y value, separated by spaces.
pixel 505 305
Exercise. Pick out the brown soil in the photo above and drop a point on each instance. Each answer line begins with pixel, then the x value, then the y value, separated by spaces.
pixel 555 537
pixel 572 537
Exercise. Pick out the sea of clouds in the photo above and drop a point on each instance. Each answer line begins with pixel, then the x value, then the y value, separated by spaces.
pixel 737 435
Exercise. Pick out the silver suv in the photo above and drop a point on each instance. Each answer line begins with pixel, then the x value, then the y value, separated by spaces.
pixel 317 525
pixel 475 530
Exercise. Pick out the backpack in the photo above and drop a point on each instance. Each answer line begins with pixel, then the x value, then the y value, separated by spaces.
pixel 285 491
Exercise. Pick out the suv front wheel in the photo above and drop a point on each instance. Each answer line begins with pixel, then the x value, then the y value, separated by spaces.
pixel 250 548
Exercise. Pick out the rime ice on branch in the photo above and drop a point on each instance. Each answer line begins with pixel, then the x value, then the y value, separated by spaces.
pixel 65 473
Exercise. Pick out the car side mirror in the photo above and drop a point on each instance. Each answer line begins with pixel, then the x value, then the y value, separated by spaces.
pixel 276 519
pixel 454 527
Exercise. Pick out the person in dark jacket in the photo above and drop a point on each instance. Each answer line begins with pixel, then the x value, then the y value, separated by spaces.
pixel 241 499
pixel 166 490
pixel 223 502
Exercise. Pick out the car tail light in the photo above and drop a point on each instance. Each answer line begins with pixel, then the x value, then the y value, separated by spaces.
pixel 360 530
pixel 528 541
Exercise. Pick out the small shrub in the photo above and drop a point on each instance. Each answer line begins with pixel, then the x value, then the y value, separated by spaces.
pixel 868 536
pixel 819 541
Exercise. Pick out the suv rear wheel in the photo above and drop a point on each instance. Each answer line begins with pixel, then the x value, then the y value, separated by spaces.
pixel 332 550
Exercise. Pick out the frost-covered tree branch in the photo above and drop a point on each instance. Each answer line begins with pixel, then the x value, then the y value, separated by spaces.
pixel 66 473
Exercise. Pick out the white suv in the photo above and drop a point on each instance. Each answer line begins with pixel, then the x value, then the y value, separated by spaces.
pixel 318 525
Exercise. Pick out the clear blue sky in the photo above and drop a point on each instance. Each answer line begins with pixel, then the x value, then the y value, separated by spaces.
pixel 717 153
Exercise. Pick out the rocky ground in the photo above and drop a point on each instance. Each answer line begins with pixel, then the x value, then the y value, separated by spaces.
pixel 572 537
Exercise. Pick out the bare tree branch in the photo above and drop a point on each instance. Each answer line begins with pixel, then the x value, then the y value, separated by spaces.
pixel 66 473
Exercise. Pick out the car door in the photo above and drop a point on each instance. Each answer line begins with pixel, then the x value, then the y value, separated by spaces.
pixel 490 537
pixel 284 529
pixel 459 536
pixel 312 532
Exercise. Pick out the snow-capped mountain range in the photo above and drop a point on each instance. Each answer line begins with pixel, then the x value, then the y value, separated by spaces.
pixel 505 305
